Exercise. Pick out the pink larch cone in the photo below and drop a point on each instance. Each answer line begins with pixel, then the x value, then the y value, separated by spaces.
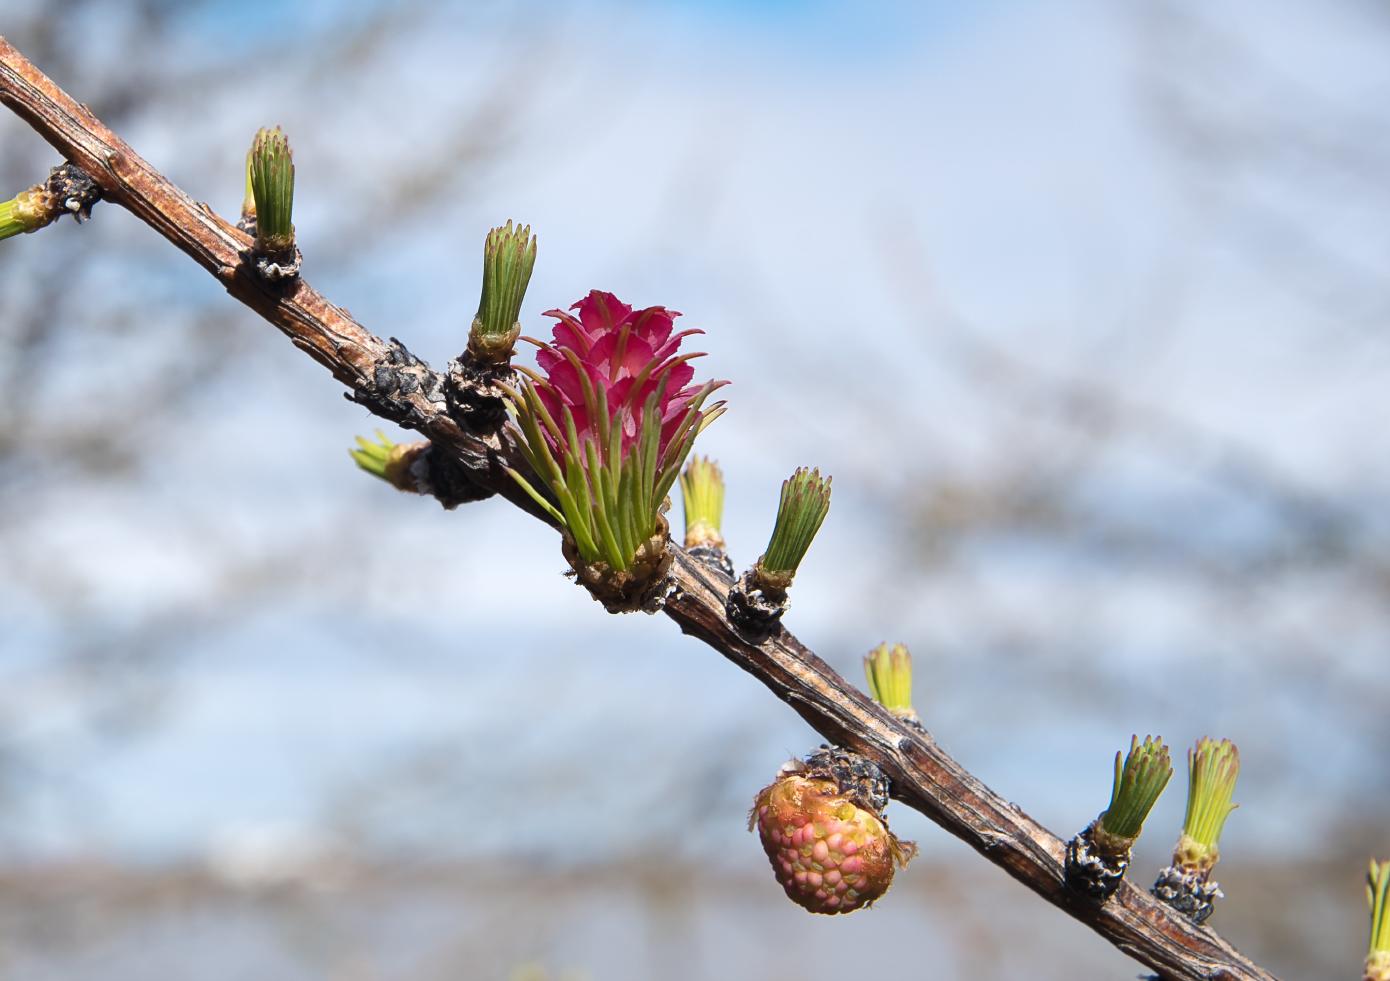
pixel 829 853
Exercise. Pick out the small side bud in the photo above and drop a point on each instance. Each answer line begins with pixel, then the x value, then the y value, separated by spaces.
pixel 1098 857
pixel 509 255
pixel 272 196
pixel 758 601
pixel 392 462
pixel 1212 771
pixel 889 671
pixel 702 491
pixel 67 191
pixel 1378 897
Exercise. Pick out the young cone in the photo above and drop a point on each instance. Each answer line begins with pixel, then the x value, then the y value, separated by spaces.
pixel 605 432
pixel 1098 857
pixel 758 600
pixel 821 825
pixel 1378 896
pixel 702 493
pixel 272 195
pixel 1212 771
pixel 889 671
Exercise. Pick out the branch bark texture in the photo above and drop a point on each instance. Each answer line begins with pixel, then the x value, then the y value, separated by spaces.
pixel 392 383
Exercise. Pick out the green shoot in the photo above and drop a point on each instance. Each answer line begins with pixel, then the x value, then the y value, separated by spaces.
pixel 1139 781
pixel 1212 771
pixel 509 255
pixel 702 490
pixel 272 189
pixel 889 671
pixel 10 223
pixel 26 212
pixel 387 460
pixel 1378 897
pixel 803 507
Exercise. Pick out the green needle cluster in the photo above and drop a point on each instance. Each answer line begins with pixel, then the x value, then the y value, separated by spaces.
pixel 25 212
pixel 1139 781
pixel 1212 771
pixel 373 457
pixel 889 670
pixel 12 223
pixel 387 460
pixel 702 490
pixel 272 189
pixel 803 507
pixel 1378 897
pixel 509 255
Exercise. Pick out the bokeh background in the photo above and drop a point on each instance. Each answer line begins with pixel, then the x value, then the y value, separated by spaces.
pixel 1085 304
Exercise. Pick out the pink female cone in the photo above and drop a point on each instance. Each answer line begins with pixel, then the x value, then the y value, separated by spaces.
pixel 829 854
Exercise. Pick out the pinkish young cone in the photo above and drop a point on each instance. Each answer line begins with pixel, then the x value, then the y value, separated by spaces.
pixel 614 345
pixel 829 854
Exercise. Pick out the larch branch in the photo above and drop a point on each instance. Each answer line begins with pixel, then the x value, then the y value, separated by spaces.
pixel 388 380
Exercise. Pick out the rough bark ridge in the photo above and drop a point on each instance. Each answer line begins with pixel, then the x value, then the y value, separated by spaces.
pixel 391 382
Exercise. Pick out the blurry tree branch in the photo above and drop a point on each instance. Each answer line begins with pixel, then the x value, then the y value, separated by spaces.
pixel 392 383
pixel 1035 489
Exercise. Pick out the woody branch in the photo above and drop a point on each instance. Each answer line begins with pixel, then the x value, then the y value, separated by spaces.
pixel 385 378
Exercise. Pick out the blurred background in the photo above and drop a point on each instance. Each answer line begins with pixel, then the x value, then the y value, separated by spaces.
pixel 1085 304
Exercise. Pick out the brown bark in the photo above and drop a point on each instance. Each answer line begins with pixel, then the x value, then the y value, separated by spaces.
pixel 389 381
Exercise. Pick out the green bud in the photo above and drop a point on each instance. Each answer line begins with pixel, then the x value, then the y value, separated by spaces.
pixel 389 461
pixel 509 255
pixel 272 190
pixel 27 212
pixel 803 507
pixel 1378 897
pixel 1212 769
pixel 1139 781
pixel 10 224
pixel 702 491
pixel 889 670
